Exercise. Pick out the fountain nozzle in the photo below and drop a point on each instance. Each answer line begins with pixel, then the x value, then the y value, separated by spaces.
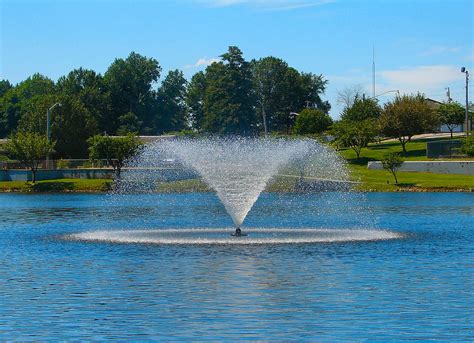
pixel 238 233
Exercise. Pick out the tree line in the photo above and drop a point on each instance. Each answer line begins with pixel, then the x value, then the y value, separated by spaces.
pixel 364 121
pixel 232 96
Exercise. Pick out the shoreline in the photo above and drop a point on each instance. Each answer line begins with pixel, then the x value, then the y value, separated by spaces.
pixel 104 188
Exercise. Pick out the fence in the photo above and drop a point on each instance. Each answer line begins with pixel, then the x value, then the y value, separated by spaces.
pixel 447 148
pixel 59 164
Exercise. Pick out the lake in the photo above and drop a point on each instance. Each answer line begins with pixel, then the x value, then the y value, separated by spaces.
pixel 417 283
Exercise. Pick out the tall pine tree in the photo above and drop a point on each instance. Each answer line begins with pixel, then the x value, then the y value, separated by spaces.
pixel 229 101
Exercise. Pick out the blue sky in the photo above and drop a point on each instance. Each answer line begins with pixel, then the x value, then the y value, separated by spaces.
pixel 419 45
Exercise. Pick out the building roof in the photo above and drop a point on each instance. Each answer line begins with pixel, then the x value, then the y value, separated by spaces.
pixel 433 104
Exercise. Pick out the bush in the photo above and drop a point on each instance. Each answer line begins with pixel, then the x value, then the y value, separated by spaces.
pixel 354 134
pixel 87 164
pixel 184 133
pixel 312 121
pixel 62 164
pixel 468 146
pixel 116 150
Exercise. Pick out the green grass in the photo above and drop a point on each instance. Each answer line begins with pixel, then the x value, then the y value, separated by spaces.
pixel 60 185
pixel 381 180
pixel 278 184
pixel 416 151
pixel 182 186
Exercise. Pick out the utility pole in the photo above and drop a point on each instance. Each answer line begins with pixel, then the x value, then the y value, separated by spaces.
pixel 464 70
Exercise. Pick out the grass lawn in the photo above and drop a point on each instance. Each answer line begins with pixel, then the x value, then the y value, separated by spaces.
pixel 60 185
pixel 182 186
pixel 376 180
pixel 416 151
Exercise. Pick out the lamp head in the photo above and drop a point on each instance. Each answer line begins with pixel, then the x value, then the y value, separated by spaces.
pixel 463 69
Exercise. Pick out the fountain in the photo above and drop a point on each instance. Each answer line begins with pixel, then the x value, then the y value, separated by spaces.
pixel 238 170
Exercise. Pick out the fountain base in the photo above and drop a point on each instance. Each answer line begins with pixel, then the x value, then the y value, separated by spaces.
pixel 238 233
pixel 215 236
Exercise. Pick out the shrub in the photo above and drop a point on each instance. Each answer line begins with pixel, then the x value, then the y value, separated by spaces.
pixel 354 134
pixel 392 162
pixel 467 146
pixel 63 164
pixel 30 149
pixel 87 164
pixel 116 150
pixel 312 121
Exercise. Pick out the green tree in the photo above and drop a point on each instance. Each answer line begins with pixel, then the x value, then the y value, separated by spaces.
pixel 30 149
pixel 312 121
pixel 88 88
pixel 451 114
pixel 312 87
pixel 16 100
pixel 354 134
pixel 229 100
pixel 129 123
pixel 268 74
pixel 362 109
pixel 392 162
pixel 406 116
pixel 292 100
pixel 172 103
pixel 5 85
pixel 130 83
pixel 301 90
pixel 33 116
pixel 467 146
pixel 116 150
pixel 195 93
pixel 72 124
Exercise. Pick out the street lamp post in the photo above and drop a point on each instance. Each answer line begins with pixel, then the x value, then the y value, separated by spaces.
pixel 376 96
pixel 464 70
pixel 48 128
pixel 391 91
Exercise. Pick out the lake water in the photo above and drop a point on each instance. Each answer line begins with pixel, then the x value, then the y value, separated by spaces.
pixel 417 285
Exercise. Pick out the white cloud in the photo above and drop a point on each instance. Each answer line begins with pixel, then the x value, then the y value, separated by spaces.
pixel 267 4
pixel 205 62
pixel 202 62
pixel 421 78
pixel 439 49
pixel 407 80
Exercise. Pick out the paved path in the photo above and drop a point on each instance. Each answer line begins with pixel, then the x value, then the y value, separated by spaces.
pixel 429 136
